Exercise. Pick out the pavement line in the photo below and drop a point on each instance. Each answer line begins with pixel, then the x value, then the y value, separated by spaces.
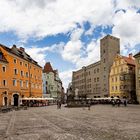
pixel 11 124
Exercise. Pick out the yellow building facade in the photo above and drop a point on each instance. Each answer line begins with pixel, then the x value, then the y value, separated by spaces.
pixel 20 76
pixel 122 77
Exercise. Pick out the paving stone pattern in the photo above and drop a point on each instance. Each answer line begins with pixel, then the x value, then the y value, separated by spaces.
pixel 101 122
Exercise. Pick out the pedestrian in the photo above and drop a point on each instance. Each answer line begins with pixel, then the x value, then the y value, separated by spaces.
pixel 82 103
pixel 57 104
pixel 113 102
pixel 89 104
pixel 118 102
pixel 125 102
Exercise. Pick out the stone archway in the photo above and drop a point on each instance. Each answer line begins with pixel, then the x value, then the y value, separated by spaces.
pixel 16 99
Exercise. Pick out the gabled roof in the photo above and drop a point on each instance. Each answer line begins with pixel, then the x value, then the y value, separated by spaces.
pixel 20 53
pixel 129 60
pixel 48 68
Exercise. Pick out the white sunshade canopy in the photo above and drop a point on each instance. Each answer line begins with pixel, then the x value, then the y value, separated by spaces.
pixel 30 98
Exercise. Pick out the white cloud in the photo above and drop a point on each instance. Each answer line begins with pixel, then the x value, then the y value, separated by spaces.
pixel 127 29
pixel 39 54
pixel 93 54
pixel 72 49
pixel 66 77
pixel 41 18
pixel 78 53
pixel 127 4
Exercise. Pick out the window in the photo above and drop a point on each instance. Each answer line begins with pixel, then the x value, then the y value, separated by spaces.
pixel 139 61
pixel 139 83
pixel 21 83
pixel 121 78
pixel 15 61
pixel 112 79
pixel 112 88
pixel 15 71
pixel 25 65
pixel 14 82
pixel 4 69
pixel 116 79
pixel 26 84
pixel 104 60
pixel 21 73
pixel 26 74
pixel 104 68
pixel 4 82
pixel 21 63
pixel 89 72
pixel 116 88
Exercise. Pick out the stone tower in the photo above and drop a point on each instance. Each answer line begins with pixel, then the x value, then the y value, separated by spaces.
pixel 109 47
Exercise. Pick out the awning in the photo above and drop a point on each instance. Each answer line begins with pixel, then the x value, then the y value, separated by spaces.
pixel 39 99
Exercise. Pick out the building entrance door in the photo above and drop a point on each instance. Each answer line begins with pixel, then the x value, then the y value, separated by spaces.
pixel 16 98
pixel 5 101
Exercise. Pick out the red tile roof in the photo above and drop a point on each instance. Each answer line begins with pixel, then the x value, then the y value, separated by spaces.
pixel 48 68
pixel 129 60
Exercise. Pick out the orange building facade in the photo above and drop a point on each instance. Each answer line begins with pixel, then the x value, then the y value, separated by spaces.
pixel 20 76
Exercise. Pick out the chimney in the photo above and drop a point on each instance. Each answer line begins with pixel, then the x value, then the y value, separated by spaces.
pixel 22 49
pixel 131 56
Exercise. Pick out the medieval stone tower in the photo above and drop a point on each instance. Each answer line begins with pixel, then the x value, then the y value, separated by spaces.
pixel 109 47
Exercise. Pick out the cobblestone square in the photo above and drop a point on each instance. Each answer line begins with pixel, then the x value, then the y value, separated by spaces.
pixel 101 122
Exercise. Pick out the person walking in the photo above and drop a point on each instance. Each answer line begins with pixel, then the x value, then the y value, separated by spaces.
pixel 89 104
pixel 118 102
pixel 57 104
pixel 113 102
pixel 125 102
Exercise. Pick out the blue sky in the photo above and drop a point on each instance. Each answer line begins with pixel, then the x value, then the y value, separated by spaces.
pixel 67 33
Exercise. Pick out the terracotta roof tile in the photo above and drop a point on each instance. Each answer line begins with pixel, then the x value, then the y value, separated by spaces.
pixel 48 68
pixel 129 60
